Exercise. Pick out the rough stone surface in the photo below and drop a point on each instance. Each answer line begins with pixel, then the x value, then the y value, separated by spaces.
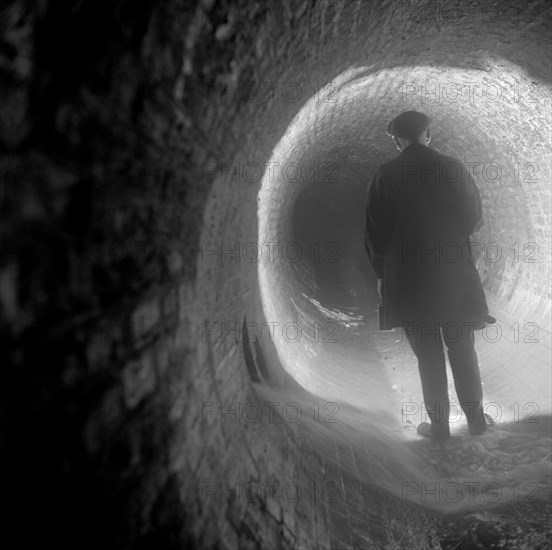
pixel 131 136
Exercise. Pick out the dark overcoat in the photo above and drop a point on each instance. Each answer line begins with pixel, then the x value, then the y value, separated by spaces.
pixel 421 209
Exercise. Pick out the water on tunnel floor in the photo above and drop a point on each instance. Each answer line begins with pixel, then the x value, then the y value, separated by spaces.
pixel 136 142
pixel 372 376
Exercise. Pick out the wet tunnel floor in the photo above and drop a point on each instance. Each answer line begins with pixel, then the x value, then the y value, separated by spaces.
pixel 371 370
pixel 360 514
pixel 342 481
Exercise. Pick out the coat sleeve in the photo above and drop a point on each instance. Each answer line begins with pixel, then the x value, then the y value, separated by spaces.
pixel 469 203
pixel 378 226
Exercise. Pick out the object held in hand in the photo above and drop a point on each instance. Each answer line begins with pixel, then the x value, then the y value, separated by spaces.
pixel 383 324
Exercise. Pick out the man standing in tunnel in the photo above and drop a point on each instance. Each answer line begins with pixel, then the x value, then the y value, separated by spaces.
pixel 421 209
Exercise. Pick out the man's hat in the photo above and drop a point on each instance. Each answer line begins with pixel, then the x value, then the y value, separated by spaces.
pixel 408 124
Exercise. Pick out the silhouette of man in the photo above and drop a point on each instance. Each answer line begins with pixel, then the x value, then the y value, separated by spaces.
pixel 421 209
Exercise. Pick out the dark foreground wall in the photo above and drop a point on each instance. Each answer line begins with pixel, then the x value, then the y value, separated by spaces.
pixel 121 125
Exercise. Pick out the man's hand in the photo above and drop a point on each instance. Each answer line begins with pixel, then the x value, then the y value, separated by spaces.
pixel 380 282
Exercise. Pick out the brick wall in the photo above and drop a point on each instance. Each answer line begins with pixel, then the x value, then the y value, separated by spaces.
pixel 116 121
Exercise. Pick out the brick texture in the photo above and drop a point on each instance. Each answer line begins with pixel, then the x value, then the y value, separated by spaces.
pixel 136 135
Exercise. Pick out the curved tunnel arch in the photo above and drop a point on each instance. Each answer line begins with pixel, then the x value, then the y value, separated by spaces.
pixel 333 146
pixel 478 127
pixel 142 177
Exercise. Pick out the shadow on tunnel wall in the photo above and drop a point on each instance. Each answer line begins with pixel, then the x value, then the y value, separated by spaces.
pixel 122 148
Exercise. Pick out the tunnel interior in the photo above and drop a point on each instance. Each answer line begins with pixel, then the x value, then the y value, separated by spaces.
pixel 322 189
pixel 192 357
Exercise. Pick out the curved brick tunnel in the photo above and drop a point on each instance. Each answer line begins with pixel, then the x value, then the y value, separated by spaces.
pixel 141 139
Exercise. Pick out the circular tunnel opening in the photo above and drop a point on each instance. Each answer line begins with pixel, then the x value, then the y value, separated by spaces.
pixel 141 169
pixel 313 204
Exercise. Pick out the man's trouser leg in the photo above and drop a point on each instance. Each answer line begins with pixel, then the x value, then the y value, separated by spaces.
pixel 426 343
pixel 459 340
